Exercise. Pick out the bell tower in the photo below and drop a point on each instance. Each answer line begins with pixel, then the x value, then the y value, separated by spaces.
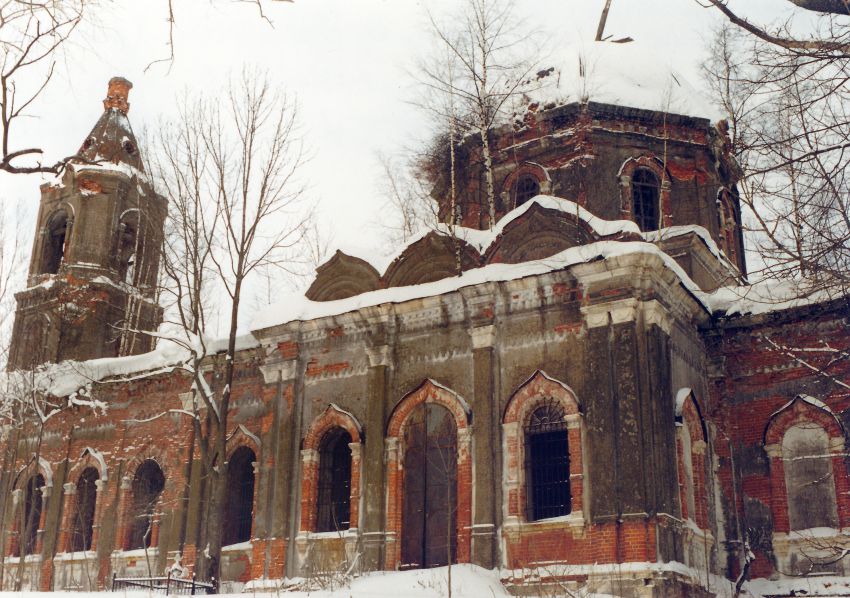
pixel 91 290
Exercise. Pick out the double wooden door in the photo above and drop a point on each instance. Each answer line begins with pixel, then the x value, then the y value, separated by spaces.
pixel 429 514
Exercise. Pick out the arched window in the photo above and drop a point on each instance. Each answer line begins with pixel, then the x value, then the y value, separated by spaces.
pixel 809 482
pixel 239 510
pixel 31 514
pixel 128 246
pixel 53 249
pixel 525 189
pixel 147 486
pixel 645 194
pixel 82 524
pixel 334 488
pixel 547 462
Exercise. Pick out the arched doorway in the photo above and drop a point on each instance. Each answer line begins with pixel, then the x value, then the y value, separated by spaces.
pixel 239 509
pixel 429 518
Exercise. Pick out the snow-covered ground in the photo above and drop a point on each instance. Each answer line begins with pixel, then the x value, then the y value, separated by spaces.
pixel 470 581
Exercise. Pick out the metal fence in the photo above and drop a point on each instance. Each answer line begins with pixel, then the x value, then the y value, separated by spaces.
pixel 167 585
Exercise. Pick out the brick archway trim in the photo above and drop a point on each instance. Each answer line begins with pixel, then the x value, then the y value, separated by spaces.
pixel 240 437
pixel 804 409
pixel 800 409
pixel 689 413
pixel 332 417
pixel 429 391
pixel 656 166
pixel 90 457
pixel 531 393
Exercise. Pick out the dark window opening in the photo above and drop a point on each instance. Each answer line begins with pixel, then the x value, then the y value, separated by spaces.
pixel 147 486
pixel 547 463
pixel 32 514
pixel 129 147
pixel 83 522
pixel 128 249
pixel 54 243
pixel 239 509
pixel 645 194
pixel 334 491
pixel 527 187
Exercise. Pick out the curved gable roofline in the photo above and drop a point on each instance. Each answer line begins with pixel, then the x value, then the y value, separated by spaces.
pixel 564 226
pixel 343 276
pixel 426 255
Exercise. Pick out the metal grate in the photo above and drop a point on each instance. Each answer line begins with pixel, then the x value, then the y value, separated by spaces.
pixel 645 190
pixel 547 463
pixel 334 504
pixel 526 188
pixel 166 585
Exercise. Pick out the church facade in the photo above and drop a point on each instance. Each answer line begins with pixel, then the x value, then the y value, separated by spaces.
pixel 584 393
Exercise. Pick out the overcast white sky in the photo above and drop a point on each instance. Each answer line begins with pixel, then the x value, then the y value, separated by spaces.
pixel 346 60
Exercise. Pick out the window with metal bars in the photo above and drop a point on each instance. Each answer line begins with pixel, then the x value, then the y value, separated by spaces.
pixel 239 509
pixel 547 462
pixel 334 487
pixel 83 523
pixel 645 194
pixel 527 187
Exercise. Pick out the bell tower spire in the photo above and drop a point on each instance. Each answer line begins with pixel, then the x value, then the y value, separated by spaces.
pixel 91 289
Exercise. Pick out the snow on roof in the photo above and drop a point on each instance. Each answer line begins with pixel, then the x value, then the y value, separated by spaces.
pixel 622 74
pixel 299 308
pixel 482 239
pixel 765 296
pixel 700 231
pixel 72 378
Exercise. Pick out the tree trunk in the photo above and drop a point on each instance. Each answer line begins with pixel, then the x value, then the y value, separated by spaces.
pixel 488 174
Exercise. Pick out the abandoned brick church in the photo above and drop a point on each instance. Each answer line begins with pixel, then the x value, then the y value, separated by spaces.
pixel 597 398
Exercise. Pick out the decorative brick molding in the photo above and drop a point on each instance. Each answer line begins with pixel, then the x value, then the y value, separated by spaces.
pixel 809 411
pixel 525 400
pixel 331 418
pixel 536 171
pixel 428 392
pixel 655 166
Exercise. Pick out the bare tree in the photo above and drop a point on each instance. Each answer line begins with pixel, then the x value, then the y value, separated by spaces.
pixel 230 175
pixel 484 60
pixel 833 40
pixel 31 34
pixel 789 132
